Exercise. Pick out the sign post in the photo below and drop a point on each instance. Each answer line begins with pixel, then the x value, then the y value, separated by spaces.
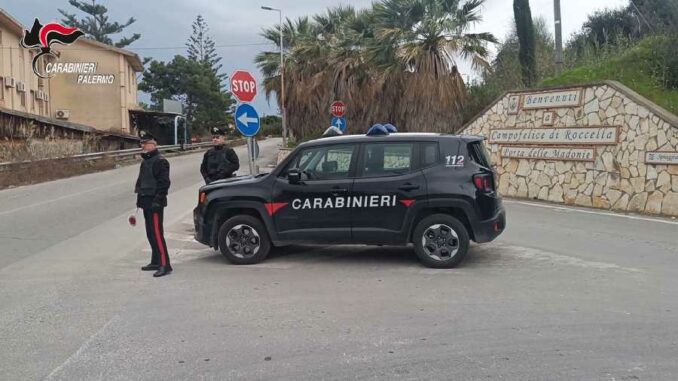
pixel 250 155
pixel 244 88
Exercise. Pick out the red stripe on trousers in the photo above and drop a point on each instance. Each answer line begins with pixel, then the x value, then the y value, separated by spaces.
pixel 163 253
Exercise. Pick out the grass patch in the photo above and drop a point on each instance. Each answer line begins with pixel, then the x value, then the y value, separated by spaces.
pixel 643 68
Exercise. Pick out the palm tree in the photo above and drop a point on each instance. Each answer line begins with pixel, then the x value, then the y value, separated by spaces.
pixel 392 63
pixel 423 37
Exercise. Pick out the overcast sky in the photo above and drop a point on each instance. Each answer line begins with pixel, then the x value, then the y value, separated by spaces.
pixel 167 23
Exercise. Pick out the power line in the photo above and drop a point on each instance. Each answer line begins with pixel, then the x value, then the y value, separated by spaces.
pixel 158 47
pixel 642 16
pixel 217 46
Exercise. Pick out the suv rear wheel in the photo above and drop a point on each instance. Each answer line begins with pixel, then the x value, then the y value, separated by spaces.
pixel 440 241
pixel 243 240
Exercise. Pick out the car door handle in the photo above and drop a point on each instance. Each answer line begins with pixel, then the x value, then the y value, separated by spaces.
pixel 408 187
pixel 339 190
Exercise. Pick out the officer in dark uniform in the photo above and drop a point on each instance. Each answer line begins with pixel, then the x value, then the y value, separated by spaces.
pixel 151 189
pixel 219 162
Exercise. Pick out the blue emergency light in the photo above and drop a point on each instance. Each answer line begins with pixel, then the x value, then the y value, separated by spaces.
pixel 381 129
pixel 377 130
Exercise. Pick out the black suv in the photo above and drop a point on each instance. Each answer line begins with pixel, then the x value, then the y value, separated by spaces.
pixel 434 191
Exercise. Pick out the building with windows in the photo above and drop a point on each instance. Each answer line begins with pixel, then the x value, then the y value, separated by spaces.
pixel 91 83
pixel 20 89
pixel 95 84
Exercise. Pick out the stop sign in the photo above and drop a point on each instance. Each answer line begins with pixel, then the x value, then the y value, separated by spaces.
pixel 338 109
pixel 243 86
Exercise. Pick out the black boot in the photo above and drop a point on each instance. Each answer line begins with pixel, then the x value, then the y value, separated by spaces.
pixel 150 267
pixel 162 271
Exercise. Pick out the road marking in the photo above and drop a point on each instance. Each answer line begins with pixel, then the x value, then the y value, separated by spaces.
pixel 528 253
pixel 54 200
pixel 563 208
pixel 80 350
pixel 180 237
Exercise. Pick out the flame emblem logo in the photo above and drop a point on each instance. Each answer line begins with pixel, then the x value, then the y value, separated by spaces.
pixel 43 36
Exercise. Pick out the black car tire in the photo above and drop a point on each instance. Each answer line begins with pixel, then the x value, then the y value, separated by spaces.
pixel 238 226
pixel 450 233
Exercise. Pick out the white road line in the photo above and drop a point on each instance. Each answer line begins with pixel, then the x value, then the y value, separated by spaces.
pixel 80 350
pixel 504 251
pixel 182 237
pixel 647 219
pixel 543 255
pixel 54 200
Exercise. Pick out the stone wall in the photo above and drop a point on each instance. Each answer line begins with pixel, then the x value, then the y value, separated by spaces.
pixel 616 175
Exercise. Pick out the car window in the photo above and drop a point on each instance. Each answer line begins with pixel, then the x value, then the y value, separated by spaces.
pixel 429 154
pixel 387 159
pixel 479 154
pixel 325 163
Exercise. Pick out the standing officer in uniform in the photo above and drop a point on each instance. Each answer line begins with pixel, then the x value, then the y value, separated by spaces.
pixel 219 162
pixel 151 189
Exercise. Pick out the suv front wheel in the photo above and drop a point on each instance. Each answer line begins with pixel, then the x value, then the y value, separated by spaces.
pixel 243 240
pixel 440 241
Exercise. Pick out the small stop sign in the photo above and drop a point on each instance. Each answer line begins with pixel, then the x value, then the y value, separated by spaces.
pixel 243 86
pixel 338 109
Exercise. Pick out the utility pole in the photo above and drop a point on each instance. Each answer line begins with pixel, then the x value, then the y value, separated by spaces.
pixel 559 37
pixel 282 74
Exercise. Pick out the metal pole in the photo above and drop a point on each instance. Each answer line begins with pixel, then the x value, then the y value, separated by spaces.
pixel 650 27
pixel 282 84
pixel 250 155
pixel 559 36
pixel 282 74
pixel 176 130
pixel 255 155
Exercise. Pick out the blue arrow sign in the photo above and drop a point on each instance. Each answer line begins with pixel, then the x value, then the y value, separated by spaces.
pixel 339 122
pixel 247 120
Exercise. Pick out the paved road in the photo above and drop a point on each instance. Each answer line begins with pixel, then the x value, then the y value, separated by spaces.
pixel 35 218
pixel 564 294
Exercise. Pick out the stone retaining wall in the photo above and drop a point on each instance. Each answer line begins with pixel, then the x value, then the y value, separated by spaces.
pixel 601 168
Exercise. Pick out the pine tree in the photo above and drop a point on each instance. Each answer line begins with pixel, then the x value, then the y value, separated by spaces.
pixel 201 46
pixel 97 25
pixel 525 31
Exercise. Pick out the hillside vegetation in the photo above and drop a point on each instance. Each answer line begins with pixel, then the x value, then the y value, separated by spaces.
pixel 643 68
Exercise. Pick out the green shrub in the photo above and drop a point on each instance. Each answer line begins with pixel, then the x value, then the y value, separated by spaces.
pixel 649 68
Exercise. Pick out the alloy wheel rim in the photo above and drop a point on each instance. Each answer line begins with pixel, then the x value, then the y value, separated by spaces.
pixel 243 241
pixel 440 242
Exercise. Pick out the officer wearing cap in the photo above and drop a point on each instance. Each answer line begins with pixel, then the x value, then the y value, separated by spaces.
pixel 151 188
pixel 219 162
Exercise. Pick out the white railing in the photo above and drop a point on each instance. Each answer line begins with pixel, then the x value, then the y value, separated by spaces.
pixel 114 154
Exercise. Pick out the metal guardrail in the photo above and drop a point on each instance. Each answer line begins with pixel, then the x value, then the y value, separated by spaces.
pixel 117 154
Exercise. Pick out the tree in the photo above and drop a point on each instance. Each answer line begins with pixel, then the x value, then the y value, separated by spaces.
pixel 656 16
pixel 201 46
pixel 506 67
pixel 96 25
pixel 505 72
pixel 399 52
pixel 195 85
pixel 525 32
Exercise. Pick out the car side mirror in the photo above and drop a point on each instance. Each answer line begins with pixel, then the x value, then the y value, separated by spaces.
pixel 294 176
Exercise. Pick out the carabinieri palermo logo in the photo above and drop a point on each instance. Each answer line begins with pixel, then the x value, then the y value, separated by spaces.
pixel 43 36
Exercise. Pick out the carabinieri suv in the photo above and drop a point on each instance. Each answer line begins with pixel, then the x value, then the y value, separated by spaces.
pixel 436 192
